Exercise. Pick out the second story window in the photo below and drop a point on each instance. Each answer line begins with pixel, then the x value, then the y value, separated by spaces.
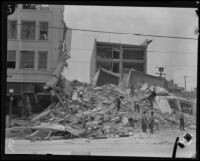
pixel 11 61
pixel 43 31
pixel 27 59
pixel 28 30
pixel 42 59
pixel 12 29
pixel 29 6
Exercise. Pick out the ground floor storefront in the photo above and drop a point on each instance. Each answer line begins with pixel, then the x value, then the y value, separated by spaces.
pixel 27 98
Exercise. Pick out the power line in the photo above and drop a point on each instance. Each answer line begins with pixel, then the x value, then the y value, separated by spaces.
pixel 184 66
pixel 124 33
pixel 163 52
pixel 180 69
pixel 187 82
pixel 161 36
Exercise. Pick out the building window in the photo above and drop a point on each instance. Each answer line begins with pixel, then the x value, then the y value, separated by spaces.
pixel 29 6
pixel 104 51
pixel 43 30
pixel 42 59
pixel 27 59
pixel 44 7
pixel 28 30
pixel 116 52
pixel 115 67
pixel 11 60
pixel 137 67
pixel 133 53
pixel 12 29
pixel 105 65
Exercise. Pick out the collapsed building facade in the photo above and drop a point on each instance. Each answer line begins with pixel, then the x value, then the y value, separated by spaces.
pixel 89 109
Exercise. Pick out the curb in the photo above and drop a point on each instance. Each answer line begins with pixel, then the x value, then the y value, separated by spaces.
pixel 105 137
pixel 100 137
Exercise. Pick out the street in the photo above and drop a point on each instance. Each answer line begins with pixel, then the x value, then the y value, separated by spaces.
pixel 140 144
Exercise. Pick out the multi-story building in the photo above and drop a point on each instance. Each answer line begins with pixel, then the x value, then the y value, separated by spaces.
pixel 115 53
pixel 35 35
pixel 119 58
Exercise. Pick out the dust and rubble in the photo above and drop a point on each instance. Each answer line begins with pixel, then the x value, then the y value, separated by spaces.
pixel 84 110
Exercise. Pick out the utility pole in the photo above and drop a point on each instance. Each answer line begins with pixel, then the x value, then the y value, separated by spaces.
pixel 185 82
pixel 161 70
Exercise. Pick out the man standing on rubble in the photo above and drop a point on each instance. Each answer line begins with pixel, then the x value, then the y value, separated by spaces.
pixel 151 122
pixel 118 102
pixel 134 104
pixel 182 122
pixel 152 97
pixel 144 121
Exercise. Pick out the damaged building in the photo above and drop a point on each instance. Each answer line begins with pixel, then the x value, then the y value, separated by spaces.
pixel 33 49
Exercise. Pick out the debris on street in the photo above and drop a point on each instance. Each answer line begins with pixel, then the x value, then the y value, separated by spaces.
pixel 90 111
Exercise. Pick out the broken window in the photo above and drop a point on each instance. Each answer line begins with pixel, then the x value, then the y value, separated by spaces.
pixel 11 59
pixel 42 59
pixel 116 67
pixel 186 107
pixel 137 67
pixel 133 53
pixel 29 6
pixel 105 65
pixel 116 52
pixel 28 30
pixel 12 29
pixel 104 51
pixel 43 30
pixel 27 59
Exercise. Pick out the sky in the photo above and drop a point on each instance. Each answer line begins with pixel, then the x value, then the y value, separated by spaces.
pixel 177 56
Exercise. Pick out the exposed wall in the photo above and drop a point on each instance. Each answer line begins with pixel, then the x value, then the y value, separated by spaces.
pixel 82 50
pixel 106 78
pixel 140 77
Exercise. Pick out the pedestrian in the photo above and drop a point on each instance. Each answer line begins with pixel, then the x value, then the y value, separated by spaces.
pixel 151 122
pixel 144 122
pixel 182 122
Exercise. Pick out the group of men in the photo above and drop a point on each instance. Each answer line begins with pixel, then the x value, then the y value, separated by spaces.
pixel 146 121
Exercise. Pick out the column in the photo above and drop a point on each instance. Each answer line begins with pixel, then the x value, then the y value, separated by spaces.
pixel 145 60
pixel 35 60
pixel 121 63
pixel 17 59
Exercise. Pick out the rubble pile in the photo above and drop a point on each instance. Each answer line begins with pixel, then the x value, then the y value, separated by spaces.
pixel 83 110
